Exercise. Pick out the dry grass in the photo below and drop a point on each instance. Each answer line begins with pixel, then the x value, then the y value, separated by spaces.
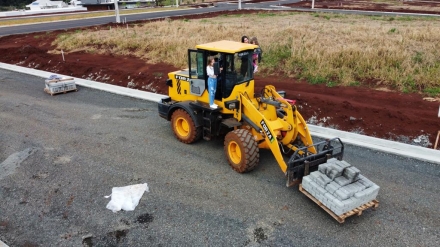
pixel 399 53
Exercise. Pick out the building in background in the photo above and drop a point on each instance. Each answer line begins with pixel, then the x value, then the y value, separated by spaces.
pixel 46 4
pixel 52 7
pixel 94 5
pixel 46 7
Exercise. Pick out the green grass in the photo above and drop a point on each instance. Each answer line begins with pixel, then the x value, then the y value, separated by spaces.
pixel 434 91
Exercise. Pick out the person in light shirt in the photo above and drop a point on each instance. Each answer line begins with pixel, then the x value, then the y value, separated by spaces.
pixel 212 82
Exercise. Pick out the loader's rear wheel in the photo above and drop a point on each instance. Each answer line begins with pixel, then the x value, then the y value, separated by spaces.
pixel 184 128
pixel 241 150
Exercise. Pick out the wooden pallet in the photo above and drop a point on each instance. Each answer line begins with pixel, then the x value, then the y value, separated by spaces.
pixel 341 218
pixel 64 91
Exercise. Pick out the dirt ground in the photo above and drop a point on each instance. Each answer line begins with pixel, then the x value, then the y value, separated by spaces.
pixel 409 118
pixel 424 7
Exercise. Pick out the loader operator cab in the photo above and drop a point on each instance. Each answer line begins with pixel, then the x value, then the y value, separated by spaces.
pixel 233 63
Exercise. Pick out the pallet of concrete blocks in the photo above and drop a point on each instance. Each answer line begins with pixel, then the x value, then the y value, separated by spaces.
pixel 340 189
pixel 56 84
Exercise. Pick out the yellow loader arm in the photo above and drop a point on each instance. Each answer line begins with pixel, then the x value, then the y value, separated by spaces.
pixel 278 126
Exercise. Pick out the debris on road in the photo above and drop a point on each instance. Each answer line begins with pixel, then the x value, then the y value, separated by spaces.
pixel 126 198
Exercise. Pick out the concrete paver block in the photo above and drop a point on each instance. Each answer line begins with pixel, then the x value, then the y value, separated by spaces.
pixel 323 168
pixel 344 164
pixel 347 191
pixel 351 173
pixel 323 180
pixel 331 188
pixel 342 181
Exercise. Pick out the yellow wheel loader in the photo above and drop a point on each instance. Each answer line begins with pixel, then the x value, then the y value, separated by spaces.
pixel 248 120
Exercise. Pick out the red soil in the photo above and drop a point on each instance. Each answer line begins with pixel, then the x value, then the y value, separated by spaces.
pixel 383 114
pixel 421 7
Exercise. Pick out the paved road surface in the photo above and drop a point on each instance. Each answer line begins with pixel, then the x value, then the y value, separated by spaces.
pixel 60 155
pixel 38 27
pixel 272 5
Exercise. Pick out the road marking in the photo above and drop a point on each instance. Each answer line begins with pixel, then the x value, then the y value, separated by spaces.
pixel 96 116
pixel 62 160
pixel 14 160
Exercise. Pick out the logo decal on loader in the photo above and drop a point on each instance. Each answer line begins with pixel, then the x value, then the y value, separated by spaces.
pixel 180 78
pixel 267 131
pixel 183 78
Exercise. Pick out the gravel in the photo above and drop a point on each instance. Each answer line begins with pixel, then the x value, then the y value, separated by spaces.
pixel 87 142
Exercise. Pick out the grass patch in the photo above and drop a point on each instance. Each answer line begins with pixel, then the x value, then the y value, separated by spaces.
pixel 392 30
pixel 266 14
pixel 158 74
pixel 405 18
pixel 354 84
pixel 432 91
pixel 317 80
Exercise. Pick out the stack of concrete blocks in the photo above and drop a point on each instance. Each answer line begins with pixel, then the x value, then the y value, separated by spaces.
pixel 56 84
pixel 340 186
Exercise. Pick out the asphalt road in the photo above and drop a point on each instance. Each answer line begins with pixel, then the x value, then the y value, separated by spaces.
pixel 39 27
pixel 60 155
pixel 273 5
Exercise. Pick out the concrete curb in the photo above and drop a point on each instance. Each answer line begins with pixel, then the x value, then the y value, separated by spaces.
pixel 406 150
pixel 402 149
pixel 88 83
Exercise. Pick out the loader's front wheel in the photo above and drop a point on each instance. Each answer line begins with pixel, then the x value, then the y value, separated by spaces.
pixel 241 150
pixel 184 128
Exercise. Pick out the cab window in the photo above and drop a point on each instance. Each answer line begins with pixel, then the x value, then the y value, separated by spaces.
pixel 196 64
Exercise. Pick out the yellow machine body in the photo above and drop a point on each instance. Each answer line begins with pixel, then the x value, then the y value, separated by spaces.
pixel 248 120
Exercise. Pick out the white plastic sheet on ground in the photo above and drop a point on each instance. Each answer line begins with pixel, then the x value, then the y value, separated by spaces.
pixel 126 198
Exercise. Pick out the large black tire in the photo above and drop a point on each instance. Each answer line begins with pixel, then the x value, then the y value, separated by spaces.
pixel 184 128
pixel 241 150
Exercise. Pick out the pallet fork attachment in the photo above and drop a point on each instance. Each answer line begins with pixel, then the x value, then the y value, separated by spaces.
pixel 302 162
